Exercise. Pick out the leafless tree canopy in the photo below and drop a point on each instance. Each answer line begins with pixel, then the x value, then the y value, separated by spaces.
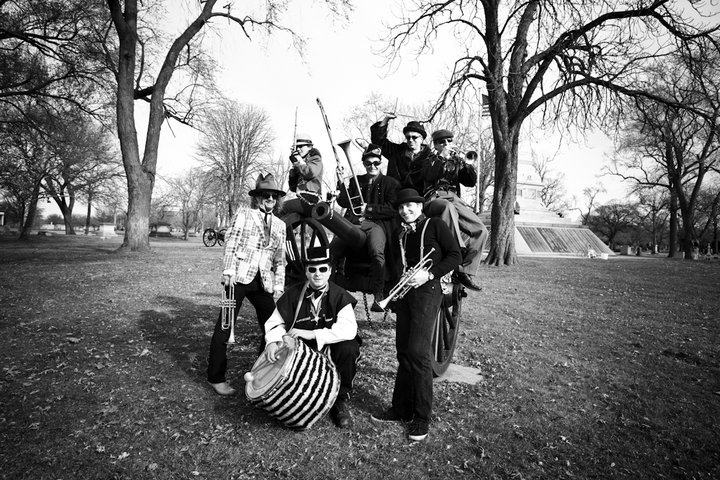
pixel 235 148
pixel 565 59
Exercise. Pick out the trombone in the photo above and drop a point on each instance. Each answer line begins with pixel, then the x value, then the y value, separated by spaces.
pixel 403 286
pixel 358 208
pixel 227 311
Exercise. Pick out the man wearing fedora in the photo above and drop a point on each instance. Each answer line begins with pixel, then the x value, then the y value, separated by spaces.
pixel 417 310
pixel 406 161
pixel 322 314
pixel 374 217
pixel 443 179
pixel 306 171
pixel 254 262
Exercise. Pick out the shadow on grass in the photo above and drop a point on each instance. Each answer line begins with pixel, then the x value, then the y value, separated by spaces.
pixel 183 328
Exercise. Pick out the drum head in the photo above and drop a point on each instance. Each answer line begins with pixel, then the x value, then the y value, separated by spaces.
pixel 267 375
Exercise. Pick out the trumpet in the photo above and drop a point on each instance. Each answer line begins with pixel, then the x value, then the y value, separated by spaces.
pixel 227 311
pixel 403 286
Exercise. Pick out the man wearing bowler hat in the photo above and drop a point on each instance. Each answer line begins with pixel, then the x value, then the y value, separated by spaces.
pixel 322 314
pixel 254 263
pixel 417 310
pixel 406 161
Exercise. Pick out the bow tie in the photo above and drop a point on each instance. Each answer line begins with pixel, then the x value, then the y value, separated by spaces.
pixel 312 293
pixel 409 227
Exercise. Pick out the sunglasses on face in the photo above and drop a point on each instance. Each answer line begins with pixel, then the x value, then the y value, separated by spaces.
pixel 268 196
pixel 374 164
pixel 444 141
pixel 318 269
pixel 414 138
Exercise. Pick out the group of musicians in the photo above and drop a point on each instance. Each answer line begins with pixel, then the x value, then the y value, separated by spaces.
pixel 414 212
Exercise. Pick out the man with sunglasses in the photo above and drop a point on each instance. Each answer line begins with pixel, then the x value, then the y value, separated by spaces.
pixel 443 177
pixel 374 217
pixel 406 161
pixel 254 262
pixel 322 314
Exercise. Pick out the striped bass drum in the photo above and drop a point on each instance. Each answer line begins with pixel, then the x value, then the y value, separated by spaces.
pixel 298 389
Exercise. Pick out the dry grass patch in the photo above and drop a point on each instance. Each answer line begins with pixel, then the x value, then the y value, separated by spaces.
pixel 590 369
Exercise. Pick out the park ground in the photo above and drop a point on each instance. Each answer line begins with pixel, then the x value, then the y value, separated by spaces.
pixel 588 368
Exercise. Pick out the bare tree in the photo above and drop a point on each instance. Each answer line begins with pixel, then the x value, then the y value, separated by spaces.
pixel 612 219
pixel 189 192
pixel 653 212
pixel 235 147
pixel 553 189
pixel 134 81
pixel 47 56
pixel 677 147
pixel 558 57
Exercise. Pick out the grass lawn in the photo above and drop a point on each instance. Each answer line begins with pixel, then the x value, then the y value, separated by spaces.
pixel 590 369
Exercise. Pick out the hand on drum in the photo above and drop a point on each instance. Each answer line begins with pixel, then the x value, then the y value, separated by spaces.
pixel 271 351
pixel 304 334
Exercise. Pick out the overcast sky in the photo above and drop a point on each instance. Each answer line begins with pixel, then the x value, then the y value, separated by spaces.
pixel 342 66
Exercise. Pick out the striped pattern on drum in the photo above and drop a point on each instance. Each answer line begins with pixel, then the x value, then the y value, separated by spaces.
pixel 307 394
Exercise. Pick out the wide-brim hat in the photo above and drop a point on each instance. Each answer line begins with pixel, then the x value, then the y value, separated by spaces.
pixel 407 195
pixel 266 183
pixel 317 255
pixel 414 126
pixel 303 139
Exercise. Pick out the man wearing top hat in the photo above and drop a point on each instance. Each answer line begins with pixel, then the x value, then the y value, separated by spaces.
pixel 416 312
pixel 406 161
pixel 375 218
pixel 306 172
pixel 254 262
pixel 322 314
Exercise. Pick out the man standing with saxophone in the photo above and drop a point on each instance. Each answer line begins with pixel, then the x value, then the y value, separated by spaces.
pixel 254 265
pixel 417 311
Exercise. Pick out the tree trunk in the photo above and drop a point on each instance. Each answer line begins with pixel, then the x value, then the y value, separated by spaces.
pixel 87 216
pixel 137 222
pixel 672 241
pixel 30 218
pixel 67 218
pixel 502 216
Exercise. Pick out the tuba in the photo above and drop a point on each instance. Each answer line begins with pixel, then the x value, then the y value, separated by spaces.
pixel 403 285
pixel 227 311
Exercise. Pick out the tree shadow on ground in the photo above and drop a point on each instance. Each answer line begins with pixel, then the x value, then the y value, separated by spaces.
pixel 183 329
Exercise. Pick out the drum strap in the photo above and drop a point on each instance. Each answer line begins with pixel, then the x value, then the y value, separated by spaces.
pixel 297 309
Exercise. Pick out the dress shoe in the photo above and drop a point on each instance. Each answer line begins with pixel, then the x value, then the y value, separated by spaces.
pixel 223 388
pixel 467 281
pixel 341 414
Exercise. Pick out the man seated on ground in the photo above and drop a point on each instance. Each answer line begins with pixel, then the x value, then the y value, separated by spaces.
pixel 444 176
pixel 322 315
pixel 374 217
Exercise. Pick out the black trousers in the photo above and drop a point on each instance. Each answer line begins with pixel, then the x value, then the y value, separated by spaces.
pixel 416 314
pixel 375 242
pixel 264 307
